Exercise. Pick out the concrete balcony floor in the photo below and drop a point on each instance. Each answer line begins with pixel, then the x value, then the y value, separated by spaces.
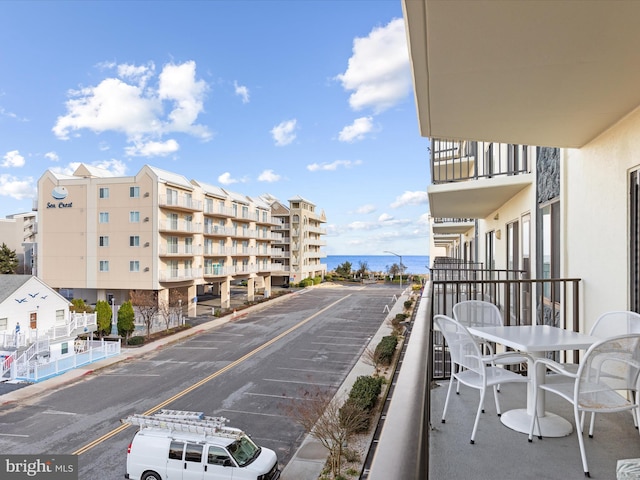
pixel 500 452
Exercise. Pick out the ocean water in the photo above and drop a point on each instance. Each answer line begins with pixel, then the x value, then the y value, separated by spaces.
pixel 414 264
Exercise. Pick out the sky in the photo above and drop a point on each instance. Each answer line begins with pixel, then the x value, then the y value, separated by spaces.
pixel 295 97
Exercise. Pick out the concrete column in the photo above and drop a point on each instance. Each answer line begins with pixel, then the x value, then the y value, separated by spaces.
pixel 225 294
pixel 267 286
pixel 192 293
pixel 163 296
pixel 251 289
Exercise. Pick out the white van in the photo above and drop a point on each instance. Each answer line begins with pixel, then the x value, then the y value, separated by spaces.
pixel 181 445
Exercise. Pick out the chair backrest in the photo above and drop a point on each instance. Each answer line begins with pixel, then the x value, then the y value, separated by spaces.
pixel 611 324
pixel 477 313
pixel 610 364
pixel 463 349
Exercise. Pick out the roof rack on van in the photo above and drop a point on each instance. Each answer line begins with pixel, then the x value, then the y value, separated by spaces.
pixel 185 421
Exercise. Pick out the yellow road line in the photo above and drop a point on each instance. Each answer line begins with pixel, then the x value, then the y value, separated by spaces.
pixel 190 389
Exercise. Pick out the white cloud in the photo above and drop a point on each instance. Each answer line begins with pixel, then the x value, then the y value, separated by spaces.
pixel 12 159
pixel 226 179
pixel 424 219
pixel 363 226
pixel 314 167
pixel 411 198
pixel 153 149
pixel 52 156
pixel 268 176
pixel 284 133
pixel 242 91
pixel 129 106
pixel 113 167
pixel 357 130
pixel 385 217
pixel 365 209
pixel 378 73
pixel 17 188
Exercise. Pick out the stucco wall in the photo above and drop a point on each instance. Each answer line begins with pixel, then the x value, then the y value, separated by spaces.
pixel 596 216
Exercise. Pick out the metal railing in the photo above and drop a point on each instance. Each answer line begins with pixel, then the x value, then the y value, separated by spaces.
pixel 455 160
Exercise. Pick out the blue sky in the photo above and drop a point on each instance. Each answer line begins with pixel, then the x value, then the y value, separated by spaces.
pixel 294 97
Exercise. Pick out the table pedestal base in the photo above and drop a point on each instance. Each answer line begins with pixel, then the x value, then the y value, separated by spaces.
pixel 552 425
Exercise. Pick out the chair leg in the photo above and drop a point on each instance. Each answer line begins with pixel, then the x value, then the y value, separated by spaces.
pixel 495 395
pixel 475 423
pixel 592 424
pixel 446 402
pixel 583 453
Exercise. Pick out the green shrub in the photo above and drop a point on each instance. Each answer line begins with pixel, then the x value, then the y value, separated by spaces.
pixel 307 282
pixel 365 391
pixel 385 349
pixel 401 317
pixel 317 280
pixel 407 304
pixel 137 340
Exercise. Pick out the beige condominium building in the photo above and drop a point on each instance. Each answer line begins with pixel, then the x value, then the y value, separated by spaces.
pixel 102 236
pixel 18 233
pixel 301 240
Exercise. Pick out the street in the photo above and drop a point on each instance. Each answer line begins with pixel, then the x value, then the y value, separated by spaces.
pixel 246 370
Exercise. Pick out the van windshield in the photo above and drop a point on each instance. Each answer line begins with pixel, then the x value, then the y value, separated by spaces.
pixel 244 451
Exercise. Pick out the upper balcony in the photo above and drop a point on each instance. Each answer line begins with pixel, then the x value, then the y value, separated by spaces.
pixel 448 226
pixel 180 227
pixel 180 202
pixel 218 210
pixel 473 179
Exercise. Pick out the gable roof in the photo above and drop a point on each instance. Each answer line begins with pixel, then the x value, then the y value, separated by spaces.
pixel 11 283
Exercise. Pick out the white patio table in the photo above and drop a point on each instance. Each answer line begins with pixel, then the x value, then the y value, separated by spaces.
pixel 535 340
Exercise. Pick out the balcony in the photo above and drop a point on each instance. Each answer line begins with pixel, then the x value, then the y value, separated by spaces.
pixel 451 226
pixel 180 226
pixel 219 211
pixel 217 231
pixel 180 202
pixel 217 270
pixel 414 444
pixel 216 251
pixel 473 179
pixel 179 250
pixel 179 275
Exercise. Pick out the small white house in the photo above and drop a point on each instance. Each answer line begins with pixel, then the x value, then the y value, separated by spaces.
pixel 31 312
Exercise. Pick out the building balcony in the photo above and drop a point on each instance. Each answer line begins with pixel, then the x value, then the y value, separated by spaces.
pixel 180 202
pixel 180 227
pixel 217 231
pixel 448 226
pixel 474 179
pixel 219 211
pixel 217 270
pixel 179 250
pixel 179 275
pixel 216 251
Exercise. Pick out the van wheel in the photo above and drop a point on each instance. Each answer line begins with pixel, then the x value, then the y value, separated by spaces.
pixel 150 476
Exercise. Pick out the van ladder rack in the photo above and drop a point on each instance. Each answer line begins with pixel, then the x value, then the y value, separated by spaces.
pixel 183 421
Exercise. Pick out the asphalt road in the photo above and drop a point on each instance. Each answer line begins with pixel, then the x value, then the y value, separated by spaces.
pixel 247 371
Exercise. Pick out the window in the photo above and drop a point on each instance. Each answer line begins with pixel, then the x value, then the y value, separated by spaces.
pixel 175 450
pixel 134 241
pixel 172 197
pixel 64 348
pixel 217 456
pixel 104 217
pixel 134 266
pixel 104 192
pixel 134 217
pixel 188 245
pixel 3 324
pixel 104 265
pixel 550 246
pixel 104 241
pixel 634 240
pixel 134 192
pixel 193 453
pixel 60 317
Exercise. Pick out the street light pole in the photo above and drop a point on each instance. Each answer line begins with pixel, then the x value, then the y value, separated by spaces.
pixel 387 251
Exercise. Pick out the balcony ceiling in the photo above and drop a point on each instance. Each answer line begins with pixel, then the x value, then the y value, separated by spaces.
pixel 474 199
pixel 449 228
pixel 545 72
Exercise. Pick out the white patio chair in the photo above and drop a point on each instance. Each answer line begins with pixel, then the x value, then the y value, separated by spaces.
pixel 610 324
pixel 470 367
pixel 478 313
pixel 609 368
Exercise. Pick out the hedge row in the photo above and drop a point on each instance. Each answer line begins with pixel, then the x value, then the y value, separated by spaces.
pixel 363 396
pixel 385 349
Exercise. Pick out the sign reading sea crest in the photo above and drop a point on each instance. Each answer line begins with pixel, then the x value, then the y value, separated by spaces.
pixel 60 193
pixel 39 467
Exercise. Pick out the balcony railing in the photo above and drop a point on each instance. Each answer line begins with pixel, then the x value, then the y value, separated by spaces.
pixel 454 160
pixel 182 202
